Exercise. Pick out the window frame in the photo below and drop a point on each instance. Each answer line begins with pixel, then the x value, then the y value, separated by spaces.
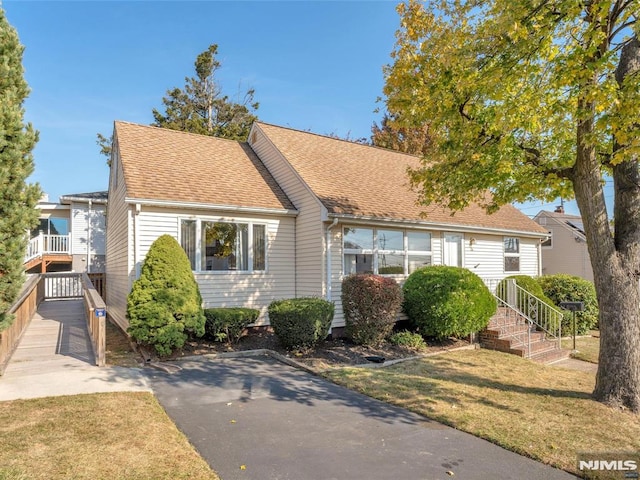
pixel 251 224
pixel 512 255
pixel 376 252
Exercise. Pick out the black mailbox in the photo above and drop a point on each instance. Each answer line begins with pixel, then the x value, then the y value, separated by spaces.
pixel 572 306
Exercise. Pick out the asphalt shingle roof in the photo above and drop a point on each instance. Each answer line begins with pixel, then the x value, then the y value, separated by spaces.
pixel 169 165
pixel 360 180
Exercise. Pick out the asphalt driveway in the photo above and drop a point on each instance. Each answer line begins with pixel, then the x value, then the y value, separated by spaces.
pixel 256 418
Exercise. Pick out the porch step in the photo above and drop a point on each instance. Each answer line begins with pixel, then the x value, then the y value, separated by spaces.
pixel 508 332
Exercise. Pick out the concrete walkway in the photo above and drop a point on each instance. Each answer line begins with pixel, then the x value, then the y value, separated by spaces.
pixel 55 357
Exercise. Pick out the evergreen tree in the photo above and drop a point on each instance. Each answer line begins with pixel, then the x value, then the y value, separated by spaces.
pixel 17 198
pixel 165 306
pixel 202 108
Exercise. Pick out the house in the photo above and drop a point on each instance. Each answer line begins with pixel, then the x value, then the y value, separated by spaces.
pixel 288 214
pixel 565 251
pixel 70 235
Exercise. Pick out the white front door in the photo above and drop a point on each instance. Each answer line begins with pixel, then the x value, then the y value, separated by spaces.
pixel 452 254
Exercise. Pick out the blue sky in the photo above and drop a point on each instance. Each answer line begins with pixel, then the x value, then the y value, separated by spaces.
pixel 314 65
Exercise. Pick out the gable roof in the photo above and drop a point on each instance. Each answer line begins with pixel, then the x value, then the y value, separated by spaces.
pixel 178 167
pixel 357 180
pixel 572 223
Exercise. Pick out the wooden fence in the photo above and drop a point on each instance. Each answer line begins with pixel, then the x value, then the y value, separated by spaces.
pixel 99 282
pixel 22 310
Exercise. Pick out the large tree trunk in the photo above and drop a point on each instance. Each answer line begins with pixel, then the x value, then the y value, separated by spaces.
pixel 615 261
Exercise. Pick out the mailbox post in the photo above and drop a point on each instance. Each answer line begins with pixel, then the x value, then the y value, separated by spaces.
pixel 573 307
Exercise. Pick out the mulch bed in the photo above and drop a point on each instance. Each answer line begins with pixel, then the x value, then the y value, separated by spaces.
pixel 330 353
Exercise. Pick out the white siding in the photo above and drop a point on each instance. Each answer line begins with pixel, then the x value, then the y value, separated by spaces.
pixel 232 289
pixel 485 258
pixel 119 262
pixel 80 220
pixel 309 242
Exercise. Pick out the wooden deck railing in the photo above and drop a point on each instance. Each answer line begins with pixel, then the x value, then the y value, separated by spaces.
pixel 22 310
pixel 96 315
pixel 39 287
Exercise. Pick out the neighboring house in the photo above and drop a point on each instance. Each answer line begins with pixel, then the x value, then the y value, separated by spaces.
pixel 70 235
pixel 566 249
pixel 289 214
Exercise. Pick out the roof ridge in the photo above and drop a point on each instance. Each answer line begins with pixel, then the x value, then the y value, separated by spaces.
pixel 165 129
pixel 350 142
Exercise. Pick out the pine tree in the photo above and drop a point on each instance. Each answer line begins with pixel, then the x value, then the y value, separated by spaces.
pixel 202 108
pixel 17 198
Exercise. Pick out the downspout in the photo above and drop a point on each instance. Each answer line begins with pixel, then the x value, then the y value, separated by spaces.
pixel 136 239
pixel 328 240
pixel 540 258
pixel 89 239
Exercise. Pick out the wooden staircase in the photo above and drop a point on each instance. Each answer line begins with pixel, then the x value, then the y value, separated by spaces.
pixel 510 332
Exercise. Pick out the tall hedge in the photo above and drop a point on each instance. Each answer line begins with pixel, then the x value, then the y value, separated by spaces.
pixel 370 304
pixel 569 288
pixel 443 301
pixel 165 306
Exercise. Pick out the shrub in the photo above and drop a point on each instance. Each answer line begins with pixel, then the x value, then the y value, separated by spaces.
pixel 370 304
pixel 569 288
pixel 443 301
pixel 165 305
pixel 408 339
pixel 301 322
pixel 228 323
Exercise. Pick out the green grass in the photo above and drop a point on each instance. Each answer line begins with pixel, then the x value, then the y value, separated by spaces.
pixel 587 348
pixel 543 412
pixel 100 436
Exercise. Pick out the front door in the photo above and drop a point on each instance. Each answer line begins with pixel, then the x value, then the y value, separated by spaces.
pixel 452 254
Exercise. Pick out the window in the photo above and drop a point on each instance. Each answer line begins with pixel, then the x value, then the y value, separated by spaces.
pixel 188 240
pixel 358 250
pixel 511 254
pixel 385 251
pixel 224 246
pixel 51 226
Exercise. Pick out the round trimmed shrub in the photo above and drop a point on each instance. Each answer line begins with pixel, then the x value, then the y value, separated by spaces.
pixel 165 306
pixel 228 324
pixel 408 339
pixel 370 304
pixel 301 323
pixel 443 301
pixel 569 288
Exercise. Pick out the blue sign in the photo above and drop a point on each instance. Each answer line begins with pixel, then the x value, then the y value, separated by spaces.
pixel 101 312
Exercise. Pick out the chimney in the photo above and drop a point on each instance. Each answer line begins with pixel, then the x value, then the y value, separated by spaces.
pixel 559 209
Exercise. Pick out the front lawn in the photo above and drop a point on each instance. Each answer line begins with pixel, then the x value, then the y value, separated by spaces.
pixel 587 348
pixel 101 436
pixel 543 412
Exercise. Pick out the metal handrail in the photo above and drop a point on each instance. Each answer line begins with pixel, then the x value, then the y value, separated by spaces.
pixel 537 312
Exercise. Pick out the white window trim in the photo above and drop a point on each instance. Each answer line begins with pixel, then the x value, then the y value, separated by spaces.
pixel 375 251
pixel 250 224
pixel 512 255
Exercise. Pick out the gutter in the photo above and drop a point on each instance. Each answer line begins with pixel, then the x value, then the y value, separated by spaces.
pixel 328 240
pixel 211 206
pixel 369 220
